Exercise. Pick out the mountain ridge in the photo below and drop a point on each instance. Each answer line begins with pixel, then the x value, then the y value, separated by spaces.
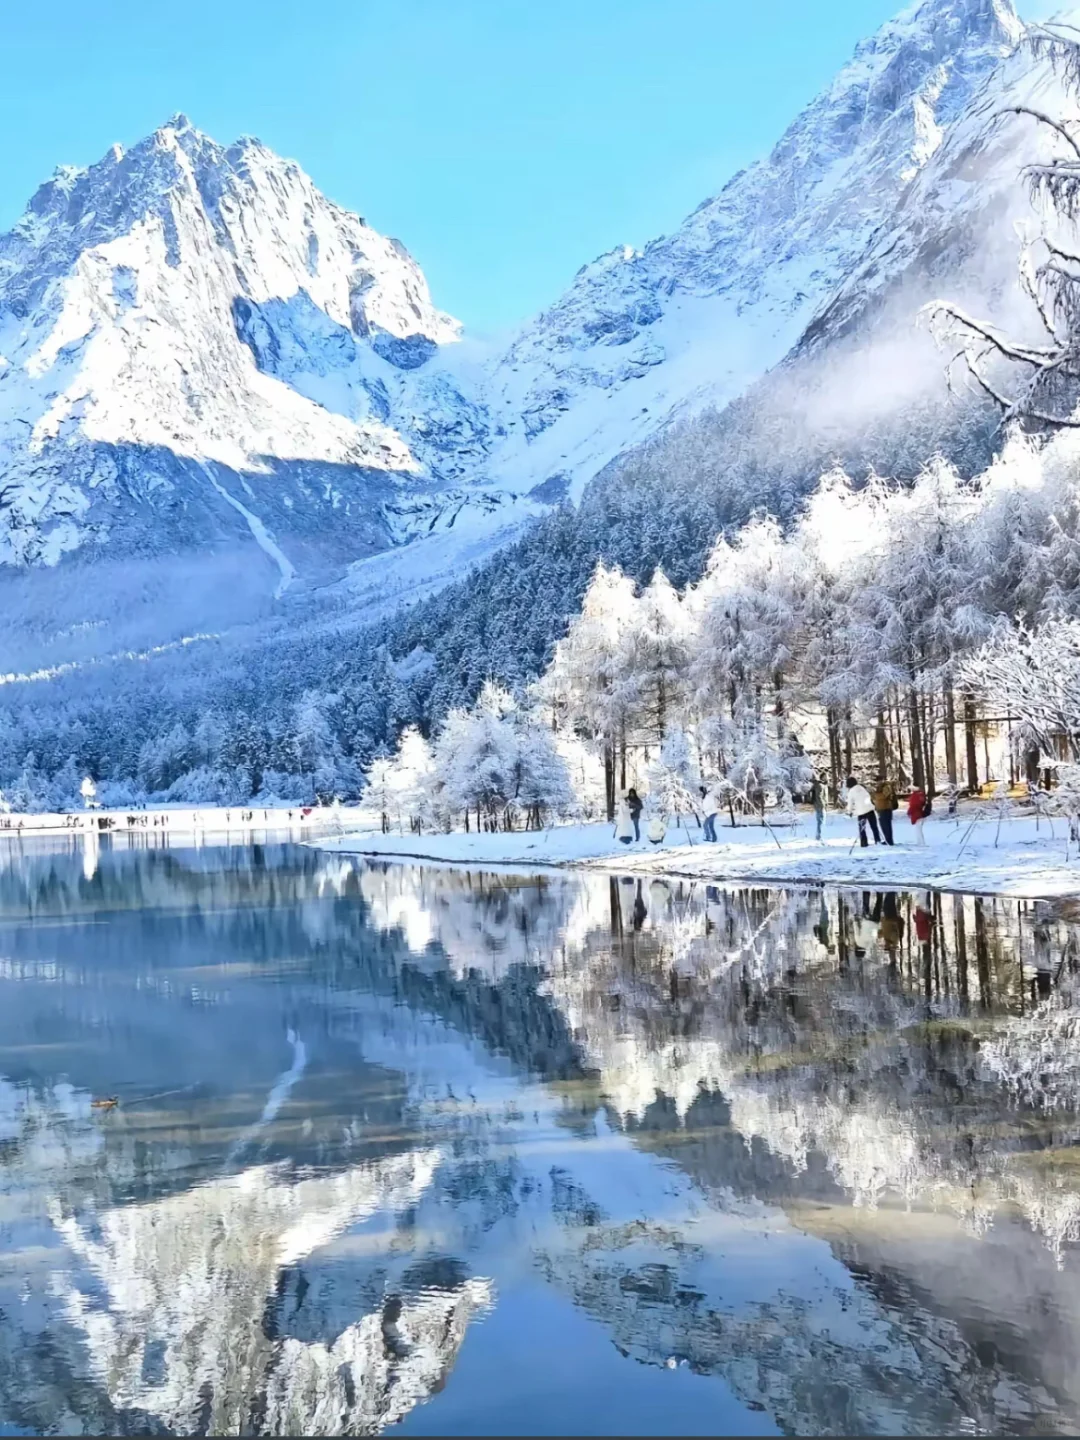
pixel 226 342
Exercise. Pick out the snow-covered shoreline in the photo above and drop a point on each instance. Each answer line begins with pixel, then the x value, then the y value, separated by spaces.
pixel 1027 860
pixel 180 820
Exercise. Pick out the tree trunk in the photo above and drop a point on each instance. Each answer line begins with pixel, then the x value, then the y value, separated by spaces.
pixel 841 934
pixel 847 742
pixel 832 721
pixel 614 908
pixel 927 721
pixel 969 745
pixel 982 955
pixel 950 735
pixel 961 946
pixel 879 743
pixel 918 769
pixel 609 779
pixel 778 706
pixel 622 759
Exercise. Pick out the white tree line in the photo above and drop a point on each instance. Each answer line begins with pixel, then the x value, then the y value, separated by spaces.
pixel 888 622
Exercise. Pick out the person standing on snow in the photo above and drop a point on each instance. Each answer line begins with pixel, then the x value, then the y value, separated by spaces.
pixel 918 807
pixel 624 824
pixel 634 803
pixel 710 806
pixel 861 808
pixel 885 802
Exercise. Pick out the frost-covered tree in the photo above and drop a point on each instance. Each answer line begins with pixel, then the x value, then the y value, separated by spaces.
pixel 378 792
pixel 1035 673
pixel 164 758
pixel 1036 379
pixel 657 655
pixel 763 769
pixel 494 762
pixel 746 666
pixel 476 758
pixel 543 783
pixel 673 777
pixel 66 787
pixel 911 606
pixel 585 773
pixel 592 683
pixel 410 778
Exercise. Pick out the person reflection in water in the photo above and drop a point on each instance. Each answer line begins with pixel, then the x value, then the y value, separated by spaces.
pixel 639 914
pixel 1044 976
pixel 923 922
pixel 821 929
pixel 890 925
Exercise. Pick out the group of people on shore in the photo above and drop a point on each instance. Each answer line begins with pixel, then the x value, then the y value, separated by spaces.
pixel 629 810
pixel 872 811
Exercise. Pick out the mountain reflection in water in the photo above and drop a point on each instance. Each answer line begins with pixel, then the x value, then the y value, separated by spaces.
pixel 451 1149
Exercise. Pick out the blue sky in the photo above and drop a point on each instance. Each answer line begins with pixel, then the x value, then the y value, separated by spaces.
pixel 506 142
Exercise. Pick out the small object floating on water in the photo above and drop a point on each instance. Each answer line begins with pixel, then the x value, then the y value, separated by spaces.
pixel 108 1103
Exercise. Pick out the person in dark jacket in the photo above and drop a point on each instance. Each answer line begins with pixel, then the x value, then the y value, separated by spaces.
pixel 634 802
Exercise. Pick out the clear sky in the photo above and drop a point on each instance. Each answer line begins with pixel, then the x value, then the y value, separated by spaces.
pixel 505 142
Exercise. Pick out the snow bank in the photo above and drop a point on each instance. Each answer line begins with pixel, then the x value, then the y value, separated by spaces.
pixel 965 853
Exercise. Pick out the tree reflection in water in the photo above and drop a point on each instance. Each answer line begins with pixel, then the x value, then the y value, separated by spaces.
pixel 819 1146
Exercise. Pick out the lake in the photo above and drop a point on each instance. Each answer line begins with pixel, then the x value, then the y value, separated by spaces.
pixel 477 1153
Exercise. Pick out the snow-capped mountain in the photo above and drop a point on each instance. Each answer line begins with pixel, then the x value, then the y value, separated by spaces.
pixel 696 316
pixel 200 353
pixel 194 339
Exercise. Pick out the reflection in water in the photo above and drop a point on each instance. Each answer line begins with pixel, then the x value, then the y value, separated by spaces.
pixel 816 1153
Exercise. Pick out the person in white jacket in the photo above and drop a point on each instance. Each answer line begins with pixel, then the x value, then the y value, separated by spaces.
pixel 710 808
pixel 624 823
pixel 861 808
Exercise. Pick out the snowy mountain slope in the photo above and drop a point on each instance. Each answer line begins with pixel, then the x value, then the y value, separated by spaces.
pixel 697 315
pixel 959 228
pixel 867 383
pixel 706 315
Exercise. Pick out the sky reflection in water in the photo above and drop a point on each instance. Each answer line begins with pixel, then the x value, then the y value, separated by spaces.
pixel 551 1153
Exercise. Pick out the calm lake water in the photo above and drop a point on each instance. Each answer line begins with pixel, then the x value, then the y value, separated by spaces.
pixel 495 1153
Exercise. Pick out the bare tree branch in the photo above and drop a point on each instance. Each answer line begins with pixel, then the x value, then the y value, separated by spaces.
pixel 1044 119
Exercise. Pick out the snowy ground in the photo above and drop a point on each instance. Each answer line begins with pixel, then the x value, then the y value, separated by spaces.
pixel 962 853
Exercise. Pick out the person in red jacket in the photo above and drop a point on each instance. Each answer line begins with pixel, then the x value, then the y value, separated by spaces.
pixel 916 809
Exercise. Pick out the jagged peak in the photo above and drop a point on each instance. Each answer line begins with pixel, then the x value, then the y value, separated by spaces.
pixel 953 24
